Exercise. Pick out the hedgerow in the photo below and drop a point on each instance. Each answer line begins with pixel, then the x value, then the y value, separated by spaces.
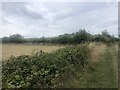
pixel 44 70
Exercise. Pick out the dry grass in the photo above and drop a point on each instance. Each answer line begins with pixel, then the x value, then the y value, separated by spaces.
pixel 22 49
pixel 102 68
pixel 97 50
pixel 114 51
pixel 116 47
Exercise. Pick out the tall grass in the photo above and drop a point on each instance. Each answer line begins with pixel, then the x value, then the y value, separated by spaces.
pixel 101 72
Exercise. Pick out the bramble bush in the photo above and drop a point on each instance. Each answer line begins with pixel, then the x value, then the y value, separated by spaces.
pixel 44 70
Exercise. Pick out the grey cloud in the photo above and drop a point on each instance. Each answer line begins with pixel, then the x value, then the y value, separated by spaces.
pixel 60 18
pixel 5 21
pixel 19 9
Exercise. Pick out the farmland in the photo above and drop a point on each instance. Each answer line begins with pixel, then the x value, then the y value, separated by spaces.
pixel 23 49
pixel 92 65
pixel 48 45
pixel 77 60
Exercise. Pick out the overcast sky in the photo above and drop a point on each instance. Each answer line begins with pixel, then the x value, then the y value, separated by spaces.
pixel 52 19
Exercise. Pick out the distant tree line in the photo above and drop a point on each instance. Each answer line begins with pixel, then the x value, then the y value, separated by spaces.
pixel 75 38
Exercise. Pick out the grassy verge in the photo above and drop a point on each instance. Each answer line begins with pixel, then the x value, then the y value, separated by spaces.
pixel 100 74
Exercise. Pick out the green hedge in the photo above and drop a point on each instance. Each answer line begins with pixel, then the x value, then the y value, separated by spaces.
pixel 44 70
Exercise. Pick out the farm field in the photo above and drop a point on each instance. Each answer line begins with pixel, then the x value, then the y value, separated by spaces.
pixel 23 49
pixel 59 45
pixel 99 72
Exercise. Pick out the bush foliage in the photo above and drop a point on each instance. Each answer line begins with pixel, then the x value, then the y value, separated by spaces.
pixel 45 70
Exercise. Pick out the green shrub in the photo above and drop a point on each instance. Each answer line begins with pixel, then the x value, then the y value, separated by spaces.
pixel 44 70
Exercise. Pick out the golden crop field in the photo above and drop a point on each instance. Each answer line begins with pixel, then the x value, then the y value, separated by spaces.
pixel 24 49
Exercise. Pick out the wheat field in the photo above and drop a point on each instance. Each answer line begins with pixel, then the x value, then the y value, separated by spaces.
pixel 23 49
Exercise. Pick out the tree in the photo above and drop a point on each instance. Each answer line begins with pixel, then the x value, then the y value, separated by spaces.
pixel 105 33
pixel 5 39
pixel 81 36
pixel 16 38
